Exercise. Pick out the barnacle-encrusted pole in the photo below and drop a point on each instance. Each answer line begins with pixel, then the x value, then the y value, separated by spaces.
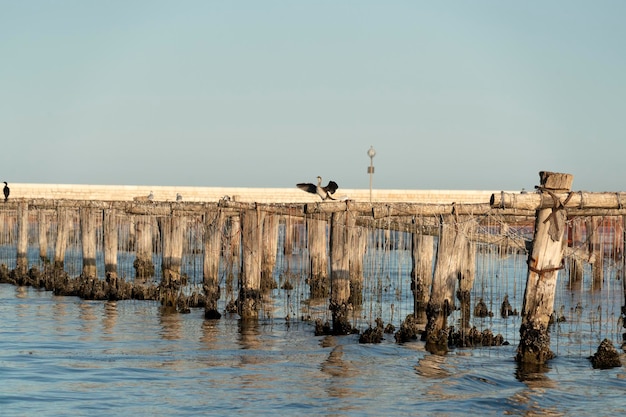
pixel 111 239
pixel 214 221
pixel 88 240
pixel 22 239
pixel 339 272
pixel 269 247
pixel 421 274
pixel 317 242
pixel 449 268
pixel 544 261
pixel 251 241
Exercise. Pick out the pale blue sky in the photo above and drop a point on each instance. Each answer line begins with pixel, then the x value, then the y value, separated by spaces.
pixel 451 94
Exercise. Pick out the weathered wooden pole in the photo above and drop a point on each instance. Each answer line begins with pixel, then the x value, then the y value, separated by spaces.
pixel 213 232
pixel 448 270
pixel 61 239
pixel 421 274
pixel 503 247
pixel 269 248
pixel 42 229
pixel 233 252
pixel 596 251
pixel 88 239
pixel 290 226
pixel 172 228
pixel 319 283
pixel 467 268
pixel 544 262
pixel 144 267
pixel 111 238
pixel 624 282
pixel 251 241
pixel 22 239
pixel 339 273
pixel 575 241
pixel 357 241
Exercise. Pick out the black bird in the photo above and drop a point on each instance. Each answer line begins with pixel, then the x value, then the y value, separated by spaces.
pixel 323 192
pixel 6 191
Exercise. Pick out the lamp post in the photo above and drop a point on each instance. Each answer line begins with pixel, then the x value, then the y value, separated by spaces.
pixel 370 169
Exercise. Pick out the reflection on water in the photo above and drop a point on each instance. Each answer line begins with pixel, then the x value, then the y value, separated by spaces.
pixel 171 323
pixel 432 366
pixel 110 318
pixel 66 356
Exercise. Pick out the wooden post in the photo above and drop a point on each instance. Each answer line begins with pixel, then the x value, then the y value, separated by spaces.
pixel 421 274
pixel 233 252
pixel 22 239
pixel 251 240
pixel 319 283
pixel 88 240
pixel 467 268
pixel 144 267
pixel 111 237
pixel 42 226
pixel 61 240
pixel 213 232
pixel 503 247
pixel 544 262
pixel 269 248
pixel 448 269
pixel 172 228
pixel 624 281
pixel 596 251
pixel 356 250
pixel 575 241
pixel 339 273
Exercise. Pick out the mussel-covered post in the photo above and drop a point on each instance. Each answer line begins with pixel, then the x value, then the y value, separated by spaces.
pixel 318 256
pixel 448 268
pixel 594 237
pixel 213 232
pixel 576 267
pixel 251 240
pixel 269 248
pixel 111 237
pixel 421 274
pixel 144 267
pixel 172 228
pixel 42 228
pixel 61 238
pixel 467 268
pixel 624 282
pixel 357 240
pixel 88 240
pixel 22 239
pixel 544 261
pixel 339 273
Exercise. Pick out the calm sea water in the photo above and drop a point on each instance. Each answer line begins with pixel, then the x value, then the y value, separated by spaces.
pixel 63 356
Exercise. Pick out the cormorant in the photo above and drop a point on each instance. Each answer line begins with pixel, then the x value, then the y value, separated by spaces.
pixel 323 192
pixel 6 191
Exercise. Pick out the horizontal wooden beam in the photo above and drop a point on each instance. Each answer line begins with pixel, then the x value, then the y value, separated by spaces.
pixel 571 200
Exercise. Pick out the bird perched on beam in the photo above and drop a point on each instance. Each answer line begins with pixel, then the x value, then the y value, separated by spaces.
pixel 323 192
pixel 6 191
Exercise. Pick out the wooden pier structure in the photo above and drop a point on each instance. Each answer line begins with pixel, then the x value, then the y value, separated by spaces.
pixel 233 233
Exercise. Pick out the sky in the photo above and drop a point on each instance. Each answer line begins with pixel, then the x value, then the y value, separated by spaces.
pixel 458 95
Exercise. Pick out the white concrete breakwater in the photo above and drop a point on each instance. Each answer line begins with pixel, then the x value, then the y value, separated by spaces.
pixel 243 194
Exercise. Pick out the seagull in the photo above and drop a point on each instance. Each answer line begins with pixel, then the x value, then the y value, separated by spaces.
pixel 150 196
pixel 179 197
pixel 323 192
pixel 6 191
